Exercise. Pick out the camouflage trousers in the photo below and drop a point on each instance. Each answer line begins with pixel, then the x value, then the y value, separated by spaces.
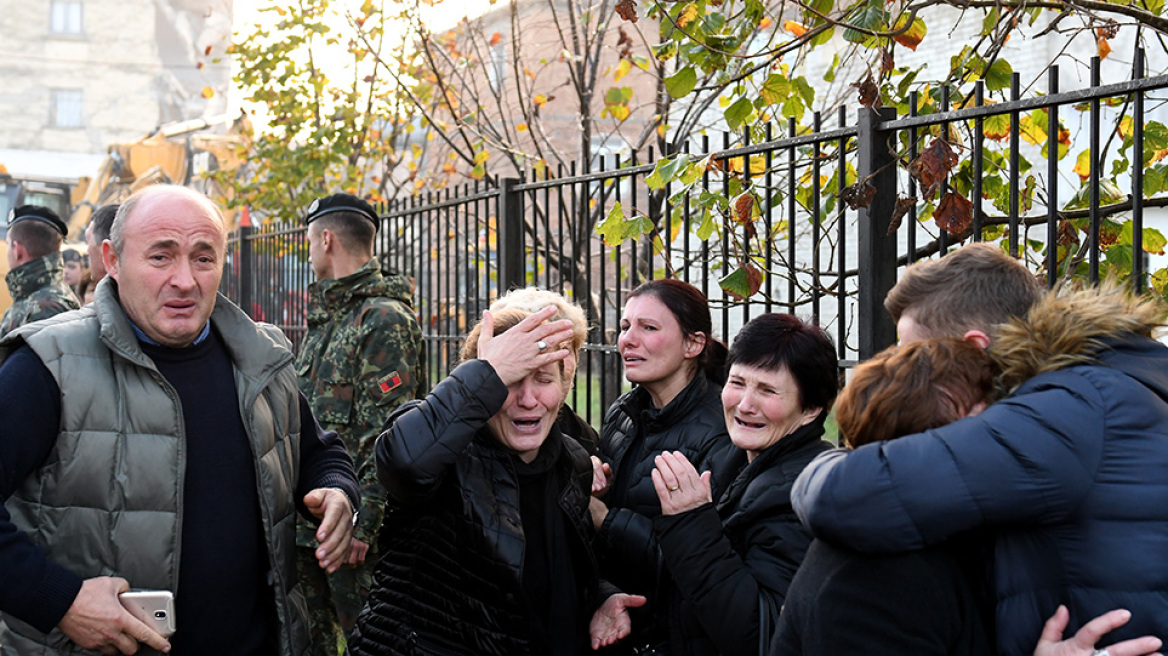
pixel 334 600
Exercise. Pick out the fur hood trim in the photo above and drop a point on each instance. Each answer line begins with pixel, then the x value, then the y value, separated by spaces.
pixel 1069 327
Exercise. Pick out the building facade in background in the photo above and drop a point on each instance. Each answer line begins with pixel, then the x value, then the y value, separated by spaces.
pixel 79 75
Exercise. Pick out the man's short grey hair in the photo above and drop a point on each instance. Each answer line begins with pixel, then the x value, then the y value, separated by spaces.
pixel 117 235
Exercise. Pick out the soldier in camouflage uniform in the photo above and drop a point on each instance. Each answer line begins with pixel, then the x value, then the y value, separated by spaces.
pixel 35 271
pixel 359 361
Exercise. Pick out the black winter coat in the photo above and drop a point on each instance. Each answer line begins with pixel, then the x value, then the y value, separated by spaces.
pixel 632 435
pixel 732 562
pixel 450 579
pixel 921 603
pixel 1067 471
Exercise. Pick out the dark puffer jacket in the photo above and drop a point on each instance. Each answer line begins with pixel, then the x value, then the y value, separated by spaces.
pixel 732 563
pixel 1069 469
pixel 450 580
pixel 632 435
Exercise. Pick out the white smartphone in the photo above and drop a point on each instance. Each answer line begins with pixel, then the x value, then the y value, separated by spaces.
pixel 155 608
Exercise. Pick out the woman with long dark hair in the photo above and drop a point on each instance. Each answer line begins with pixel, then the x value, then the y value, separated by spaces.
pixel 677 368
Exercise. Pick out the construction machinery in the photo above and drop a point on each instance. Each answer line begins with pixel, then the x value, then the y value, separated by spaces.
pixel 173 153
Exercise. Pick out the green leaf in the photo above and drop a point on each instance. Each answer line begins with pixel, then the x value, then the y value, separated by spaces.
pixel 823 37
pixel 616 228
pixel 742 283
pixel 1155 141
pixel 664 51
pixel 682 82
pixel 999 75
pixel 990 22
pixel 1154 241
pixel 776 89
pixel 665 171
pixel 806 91
pixel 871 16
pixel 829 76
pixel 737 113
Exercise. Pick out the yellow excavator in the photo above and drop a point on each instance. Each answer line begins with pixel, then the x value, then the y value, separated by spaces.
pixel 173 153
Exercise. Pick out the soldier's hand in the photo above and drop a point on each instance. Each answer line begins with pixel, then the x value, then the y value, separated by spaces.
pixel 357 552
pixel 98 621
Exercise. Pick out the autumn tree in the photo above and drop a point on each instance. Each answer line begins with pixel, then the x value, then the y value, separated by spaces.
pixel 786 63
pixel 325 121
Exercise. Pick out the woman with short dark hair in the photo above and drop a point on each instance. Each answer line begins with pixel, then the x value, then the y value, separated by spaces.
pixel 733 560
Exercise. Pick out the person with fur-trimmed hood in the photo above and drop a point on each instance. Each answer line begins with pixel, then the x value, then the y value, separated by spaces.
pixel 1068 471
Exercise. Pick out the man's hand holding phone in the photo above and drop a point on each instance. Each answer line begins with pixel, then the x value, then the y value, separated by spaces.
pixel 97 620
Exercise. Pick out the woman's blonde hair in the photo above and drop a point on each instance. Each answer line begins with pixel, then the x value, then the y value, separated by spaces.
pixel 507 317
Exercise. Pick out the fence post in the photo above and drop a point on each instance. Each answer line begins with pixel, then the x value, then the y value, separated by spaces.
pixel 877 253
pixel 246 263
pixel 510 217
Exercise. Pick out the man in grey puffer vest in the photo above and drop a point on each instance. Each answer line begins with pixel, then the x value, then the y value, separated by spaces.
pixel 156 440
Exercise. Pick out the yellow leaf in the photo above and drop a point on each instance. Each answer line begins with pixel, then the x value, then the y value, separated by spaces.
pixel 687 15
pixel 522 127
pixel 1083 165
pixel 798 29
pixel 622 69
pixel 481 157
pixel 539 101
pixel 1126 125
pixel 208 92
pixel 765 23
pixel 496 38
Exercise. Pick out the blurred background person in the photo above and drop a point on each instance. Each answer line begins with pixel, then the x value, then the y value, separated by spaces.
pixel 485 547
pixel 86 287
pixel 97 232
pixel 35 275
pixel 75 267
pixel 733 561
pixel 677 369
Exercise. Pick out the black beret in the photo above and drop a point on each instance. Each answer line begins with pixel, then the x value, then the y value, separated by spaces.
pixel 340 203
pixel 70 255
pixel 38 213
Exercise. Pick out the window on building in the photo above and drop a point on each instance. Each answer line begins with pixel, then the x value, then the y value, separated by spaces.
pixel 65 17
pixel 65 108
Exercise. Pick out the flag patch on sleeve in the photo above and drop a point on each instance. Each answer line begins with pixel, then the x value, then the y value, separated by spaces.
pixel 389 382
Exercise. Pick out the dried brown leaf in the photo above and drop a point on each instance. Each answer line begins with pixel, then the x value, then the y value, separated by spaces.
pixel 859 195
pixel 903 205
pixel 932 166
pixel 627 9
pixel 869 92
pixel 742 209
pixel 887 63
pixel 954 213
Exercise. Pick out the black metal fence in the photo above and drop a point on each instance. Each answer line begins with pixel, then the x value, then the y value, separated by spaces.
pixel 818 257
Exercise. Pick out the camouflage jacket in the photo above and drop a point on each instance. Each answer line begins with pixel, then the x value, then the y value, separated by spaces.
pixel 38 292
pixel 359 360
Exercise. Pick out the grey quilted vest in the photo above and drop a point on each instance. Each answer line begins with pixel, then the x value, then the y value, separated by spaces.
pixel 108 500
